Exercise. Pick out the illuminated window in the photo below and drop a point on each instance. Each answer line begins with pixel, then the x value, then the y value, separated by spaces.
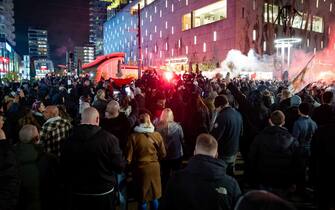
pixel 146 50
pixel 146 14
pixel 299 22
pixel 150 18
pixel 264 46
pixel 150 37
pixel 317 24
pixel 314 50
pixel 204 47
pixel 210 13
pixel 254 4
pixel 321 44
pixel 254 35
pixel 331 7
pixel 195 40
pixel 160 54
pixel 155 48
pixel 214 36
pixel 146 32
pixel 186 22
pixel 150 1
pixel 166 46
pixel 179 43
pixel 172 52
pixel 186 2
pixel 160 13
pixel 273 13
pixel 172 30
pixel 160 34
pixel 155 9
pixel 155 29
pixel 186 50
pixel 317 4
pixel 166 25
pixel 166 3
pixel 142 22
pixel 172 8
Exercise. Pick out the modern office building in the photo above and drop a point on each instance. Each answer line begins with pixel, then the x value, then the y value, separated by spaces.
pixel 7 29
pixel 9 60
pixel 38 43
pixel 203 31
pixel 98 15
pixel 85 54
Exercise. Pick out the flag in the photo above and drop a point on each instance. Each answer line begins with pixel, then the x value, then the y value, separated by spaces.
pixel 298 83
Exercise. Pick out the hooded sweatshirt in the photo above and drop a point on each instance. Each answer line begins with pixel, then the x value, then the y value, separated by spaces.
pixel 202 185
pixel 90 159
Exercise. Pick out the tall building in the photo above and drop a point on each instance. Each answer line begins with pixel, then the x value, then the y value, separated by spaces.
pixel 98 15
pixel 85 54
pixel 38 43
pixel 7 29
pixel 190 32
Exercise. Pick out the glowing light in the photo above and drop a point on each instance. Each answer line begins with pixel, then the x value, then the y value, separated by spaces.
pixel 168 76
pixel 214 36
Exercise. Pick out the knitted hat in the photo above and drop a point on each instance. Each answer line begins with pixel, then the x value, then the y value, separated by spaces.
pixel 295 101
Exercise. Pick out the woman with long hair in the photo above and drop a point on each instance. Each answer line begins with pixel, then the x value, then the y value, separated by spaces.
pixel 144 150
pixel 173 137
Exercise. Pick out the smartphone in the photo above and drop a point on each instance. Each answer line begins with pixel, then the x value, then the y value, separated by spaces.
pixel 128 91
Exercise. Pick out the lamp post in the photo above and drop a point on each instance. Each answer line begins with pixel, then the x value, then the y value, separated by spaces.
pixel 139 72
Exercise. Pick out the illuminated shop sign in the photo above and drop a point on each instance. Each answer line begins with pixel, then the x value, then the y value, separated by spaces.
pixel 177 61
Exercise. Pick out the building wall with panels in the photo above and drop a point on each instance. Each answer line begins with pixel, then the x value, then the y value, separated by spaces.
pixel 243 28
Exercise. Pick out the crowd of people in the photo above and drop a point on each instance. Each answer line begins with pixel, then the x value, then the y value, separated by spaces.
pixel 73 143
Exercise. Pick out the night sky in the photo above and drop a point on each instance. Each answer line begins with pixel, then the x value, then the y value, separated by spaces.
pixel 67 22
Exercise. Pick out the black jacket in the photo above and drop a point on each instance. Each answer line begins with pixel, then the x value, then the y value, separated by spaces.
pixel 39 175
pixel 322 156
pixel 275 158
pixel 9 181
pixel 90 159
pixel 227 131
pixel 202 185
pixel 119 127
pixel 324 114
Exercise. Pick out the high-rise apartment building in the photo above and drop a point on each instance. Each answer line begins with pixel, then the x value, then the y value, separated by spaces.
pixel 85 54
pixel 38 43
pixel 98 15
pixel 7 28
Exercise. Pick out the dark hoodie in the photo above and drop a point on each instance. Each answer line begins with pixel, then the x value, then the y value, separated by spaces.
pixel 202 185
pixel 90 159
pixel 40 181
pixel 275 158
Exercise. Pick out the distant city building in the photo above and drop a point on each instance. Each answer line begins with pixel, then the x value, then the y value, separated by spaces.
pixel 183 33
pixel 26 67
pixel 9 60
pixel 7 29
pixel 85 54
pixel 98 15
pixel 38 43
pixel 42 67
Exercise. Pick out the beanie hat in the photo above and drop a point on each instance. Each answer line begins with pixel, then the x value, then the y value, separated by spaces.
pixel 295 101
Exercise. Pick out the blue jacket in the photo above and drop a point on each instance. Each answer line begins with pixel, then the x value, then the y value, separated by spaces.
pixel 303 130
pixel 227 131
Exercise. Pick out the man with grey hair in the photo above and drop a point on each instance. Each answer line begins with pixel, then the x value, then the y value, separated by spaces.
pixel 38 172
pixel 90 158
pixel 203 184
